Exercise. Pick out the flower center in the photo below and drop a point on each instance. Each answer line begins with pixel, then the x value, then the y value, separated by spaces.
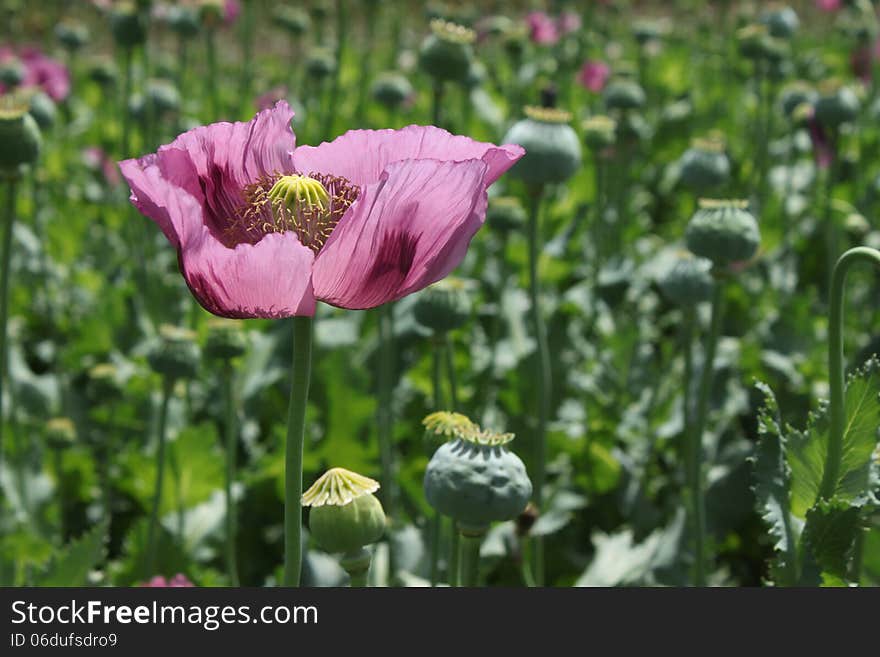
pixel 311 206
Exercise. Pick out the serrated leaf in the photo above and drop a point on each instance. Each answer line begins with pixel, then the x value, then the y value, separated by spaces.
pixel 772 488
pixel 829 535
pixel 70 566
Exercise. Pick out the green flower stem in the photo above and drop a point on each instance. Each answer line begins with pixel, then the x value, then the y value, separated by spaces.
pixel 247 52
pixel 231 446
pixel 436 528
pixel 359 579
pixel 543 372
pixel 695 442
pixel 58 466
pixel 687 403
pixel 837 411
pixel 357 565
pixel 293 460
pixel 385 422
pixel 342 18
pixel 153 527
pixel 8 221
pixel 454 555
pixel 127 73
pixel 831 232
pixel 211 77
pixel 470 559
pixel 449 353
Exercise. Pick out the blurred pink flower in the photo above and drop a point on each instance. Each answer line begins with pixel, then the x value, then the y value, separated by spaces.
pixel 96 159
pixel 178 581
pixel 401 209
pixel 542 28
pixel 39 71
pixel 268 99
pixel 593 75
pixel 862 61
pixel 231 11
pixel 829 5
pixel 568 22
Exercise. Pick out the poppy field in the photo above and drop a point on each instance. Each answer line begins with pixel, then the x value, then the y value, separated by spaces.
pixel 505 294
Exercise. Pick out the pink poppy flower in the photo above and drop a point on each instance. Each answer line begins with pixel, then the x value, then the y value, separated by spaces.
pixel 96 159
pixel 39 71
pixel 267 99
pixel 829 5
pixel 542 28
pixel 568 22
pixel 265 228
pixel 178 581
pixel 231 11
pixel 593 75
pixel 824 150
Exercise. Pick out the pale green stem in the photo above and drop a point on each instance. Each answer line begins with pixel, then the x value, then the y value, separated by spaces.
pixel 470 559
pixel 153 527
pixel 231 445
pixel 5 257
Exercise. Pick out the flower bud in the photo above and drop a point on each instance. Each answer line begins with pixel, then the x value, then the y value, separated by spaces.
pixel 599 132
pixel 225 339
pixel 836 105
pixel 175 355
pixel 320 64
pixel 127 26
pixel 446 54
pixel 73 35
pixel 444 306
pixel 345 516
pixel 60 433
pixel 704 166
pixel 782 22
pixel 725 232
pixel 506 214
pixel 689 281
pixel 19 134
pixel 553 151
pixel 392 90
pixel 475 479
pixel 624 95
pixel 42 108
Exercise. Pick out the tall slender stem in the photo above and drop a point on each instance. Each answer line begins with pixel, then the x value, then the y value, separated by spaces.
pixel 831 232
pixel 231 445
pixel 470 559
pixel 837 411
pixel 385 422
pixel 695 444
pixel 126 95
pixel 247 48
pixel 5 254
pixel 436 529
pixel 296 425
pixel 153 527
pixel 543 371
pixel 449 353
pixel 211 79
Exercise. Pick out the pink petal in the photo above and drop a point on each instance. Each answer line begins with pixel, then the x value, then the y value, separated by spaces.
pixel 362 155
pixel 405 232
pixel 269 279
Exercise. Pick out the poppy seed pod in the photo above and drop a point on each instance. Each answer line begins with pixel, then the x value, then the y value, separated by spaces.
pixel 689 281
pixel 392 90
pixel 184 21
pixel 599 132
pixel 292 20
pixel 623 95
pixel 11 73
pixel 836 105
pixel 796 94
pixel 19 134
pixel 127 26
pixel 345 516
pixel 724 232
pixel 225 339
pixel 103 382
pixel 73 35
pixel 704 166
pixel 553 151
pixel 475 479
pixel 781 22
pixel 320 64
pixel 175 355
pixel 42 108
pixel 103 71
pixel 60 433
pixel 446 53
pixel 506 214
pixel 444 306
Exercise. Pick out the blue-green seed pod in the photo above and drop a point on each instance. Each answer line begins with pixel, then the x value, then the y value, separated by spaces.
pixel 689 281
pixel 476 480
pixel 60 433
pixel 184 21
pixel 782 22
pixel 704 166
pixel 225 340
pixel 724 232
pixel 600 132
pixel 553 150
pixel 444 306
pixel 345 516
pixel 43 109
pixel 19 134
pixel 446 54
pixel 293 20
pixel 175 354
pixel 73 35
pixel 320 64
pixel 506 214
pixel 623 95
pixel 127 26
pixel 392 90
pixel 836 105
pixel 794 95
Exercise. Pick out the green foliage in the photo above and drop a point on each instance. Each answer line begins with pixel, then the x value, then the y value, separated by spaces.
pixel 71 565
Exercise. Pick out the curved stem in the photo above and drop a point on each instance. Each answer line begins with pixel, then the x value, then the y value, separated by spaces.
pixel 296 425
pixel 543 372
pixel 695 444
pixel 5 256
pixel 153 527
pixel 231 445
pixel 470 559
pixel 837 410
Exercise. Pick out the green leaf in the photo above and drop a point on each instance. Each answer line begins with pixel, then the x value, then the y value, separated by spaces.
pixel 70 566
pixel 829 535
pixel 772 488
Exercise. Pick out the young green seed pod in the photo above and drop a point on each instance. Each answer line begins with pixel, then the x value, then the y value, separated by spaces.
pixel 127 26
pixel 704 166
pixel 345 516
pixel 320 64
pixel 506 214
pixel 392 90
pixel 623 94
pixel 73 35
pixel 225 339
pixel 444 306
pixel 183 21
pixel 836 105
pixel 19 134
pixel 553 150
pixel 782 22
pixel 102 71
pixel 103 383
pixel 175 355
pixel 42 108
pixel 725 232
pixel 600 132
pixel 60 433
pixel 689 281
pixel 446 54
pixel 475 479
